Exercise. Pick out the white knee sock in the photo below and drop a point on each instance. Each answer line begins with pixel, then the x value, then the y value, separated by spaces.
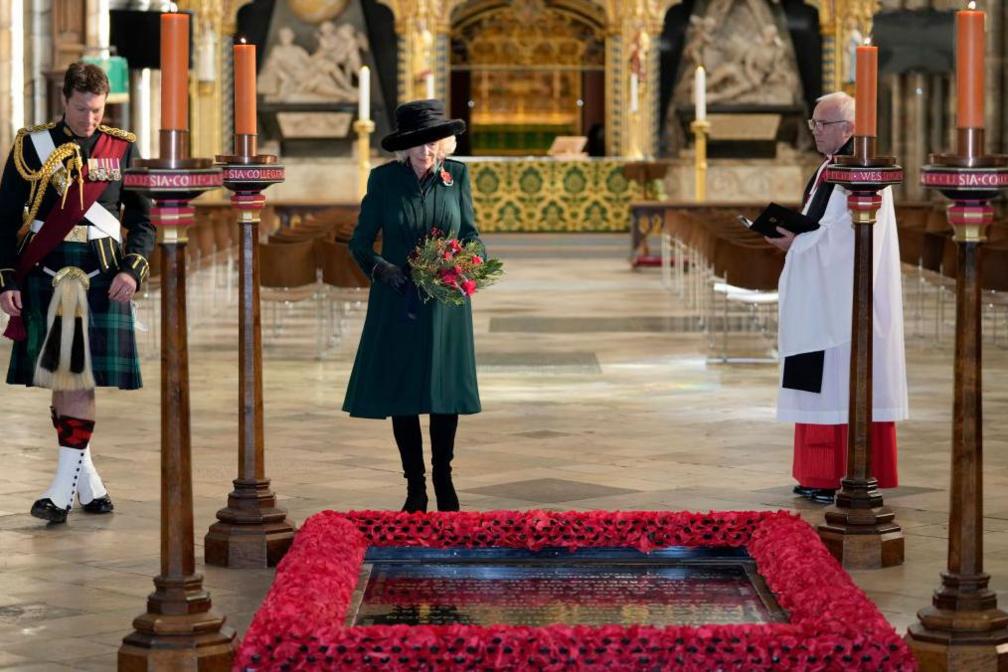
pixel 90 486
pixel 64 484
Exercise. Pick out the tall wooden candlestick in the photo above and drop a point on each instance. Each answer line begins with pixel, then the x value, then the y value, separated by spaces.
pixel 962 629
pixel 179 631
pixel 252 531
pixel 860 531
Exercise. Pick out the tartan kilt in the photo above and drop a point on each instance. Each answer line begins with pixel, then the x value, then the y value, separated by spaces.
pixel 110 325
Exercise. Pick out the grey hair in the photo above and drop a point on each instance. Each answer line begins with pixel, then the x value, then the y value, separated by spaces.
pixel 446 147
pixel 842 102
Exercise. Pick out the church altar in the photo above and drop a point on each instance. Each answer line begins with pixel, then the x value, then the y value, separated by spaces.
pixel 541 194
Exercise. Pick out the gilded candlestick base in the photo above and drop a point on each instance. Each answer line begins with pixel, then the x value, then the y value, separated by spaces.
pixel 700 128
pixel 364 129
pixel 634 152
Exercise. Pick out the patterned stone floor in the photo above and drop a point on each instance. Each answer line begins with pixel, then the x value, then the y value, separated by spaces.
pixel 597 395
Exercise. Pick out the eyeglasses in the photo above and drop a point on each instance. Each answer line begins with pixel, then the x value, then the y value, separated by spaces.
pixel 818 124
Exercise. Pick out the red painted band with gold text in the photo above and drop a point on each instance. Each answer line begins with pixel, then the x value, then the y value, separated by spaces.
pixel 173 179
pixel 965 178
pixel 270 174
pixel 864 175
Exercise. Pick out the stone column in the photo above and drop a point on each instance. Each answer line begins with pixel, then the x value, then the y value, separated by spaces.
pixel 91 37
pixel 225 125
pixel 916 130
pixel 1002 67
pixel 831 61
pixel 936 126
pixel 896 124
pixel 615 131
pixel 995 64
pixel 416 22
pixel 950 140
pixel 653 129
pixel 6 94
pixel 403 67
pixel 442 64
pixel 40 58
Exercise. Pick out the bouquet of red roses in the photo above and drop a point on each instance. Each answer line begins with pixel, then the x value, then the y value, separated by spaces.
pixel 449 271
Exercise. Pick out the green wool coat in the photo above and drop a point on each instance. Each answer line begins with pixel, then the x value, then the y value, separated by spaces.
pixel 404 366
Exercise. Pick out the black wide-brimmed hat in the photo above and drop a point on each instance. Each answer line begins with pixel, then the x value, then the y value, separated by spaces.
pixel 419 122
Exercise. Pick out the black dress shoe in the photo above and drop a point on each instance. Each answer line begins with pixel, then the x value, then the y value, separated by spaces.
pixel 803 491
pixel 823 496
pixel 46 510
pixel 99 505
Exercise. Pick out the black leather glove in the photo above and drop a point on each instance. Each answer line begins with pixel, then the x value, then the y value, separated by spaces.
pixel 390 274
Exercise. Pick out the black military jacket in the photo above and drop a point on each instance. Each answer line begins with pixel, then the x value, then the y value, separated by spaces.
pixel 135 209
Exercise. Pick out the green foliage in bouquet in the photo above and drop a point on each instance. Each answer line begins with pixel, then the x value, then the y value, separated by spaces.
pixel 449 271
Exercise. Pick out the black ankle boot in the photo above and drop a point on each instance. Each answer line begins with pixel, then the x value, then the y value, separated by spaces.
pixel 442 430
pixel 444 491
pixel 416 495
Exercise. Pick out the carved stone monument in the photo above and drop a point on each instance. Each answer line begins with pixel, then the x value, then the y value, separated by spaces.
pixel 308 79
pixel 328 74
pixel 750 62
pixel 748 55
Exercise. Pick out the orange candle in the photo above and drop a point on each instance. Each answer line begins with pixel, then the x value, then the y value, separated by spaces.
pixel 175 71
pixel 866 92
pixel 970 45
pixel 245 88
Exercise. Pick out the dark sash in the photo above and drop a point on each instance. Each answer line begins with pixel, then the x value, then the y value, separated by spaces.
pixel 61 220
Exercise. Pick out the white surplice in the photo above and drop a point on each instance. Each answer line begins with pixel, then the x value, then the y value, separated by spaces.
pixel 815 291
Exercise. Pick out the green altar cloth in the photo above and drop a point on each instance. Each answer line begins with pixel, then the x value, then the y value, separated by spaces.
pixel 551 195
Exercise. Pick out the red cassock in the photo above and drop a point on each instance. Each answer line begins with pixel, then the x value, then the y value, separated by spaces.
pixel 820 455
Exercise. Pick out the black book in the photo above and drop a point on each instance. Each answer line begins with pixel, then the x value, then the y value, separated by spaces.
pixel 777 215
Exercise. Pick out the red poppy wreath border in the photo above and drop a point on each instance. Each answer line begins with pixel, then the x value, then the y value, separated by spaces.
pixel 833 625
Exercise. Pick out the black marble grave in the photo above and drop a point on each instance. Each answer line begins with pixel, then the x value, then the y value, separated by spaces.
pixel 672 586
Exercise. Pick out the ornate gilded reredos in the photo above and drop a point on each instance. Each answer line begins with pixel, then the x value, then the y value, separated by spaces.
pixel 315 11
pixel 526 59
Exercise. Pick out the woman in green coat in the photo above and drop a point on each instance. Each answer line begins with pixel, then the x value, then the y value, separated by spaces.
pixel 415 357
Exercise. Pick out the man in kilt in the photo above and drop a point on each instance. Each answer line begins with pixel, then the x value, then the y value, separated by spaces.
pixel 67 277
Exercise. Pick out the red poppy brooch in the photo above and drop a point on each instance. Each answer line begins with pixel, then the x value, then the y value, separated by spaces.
pixel 446 178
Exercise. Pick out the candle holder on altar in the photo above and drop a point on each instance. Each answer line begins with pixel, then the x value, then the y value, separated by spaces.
pixel 963 629
pixel 179 631
pixel 364 128
pixel 252 531
pixel 634 151
pixel 860 531
pixel 700 128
